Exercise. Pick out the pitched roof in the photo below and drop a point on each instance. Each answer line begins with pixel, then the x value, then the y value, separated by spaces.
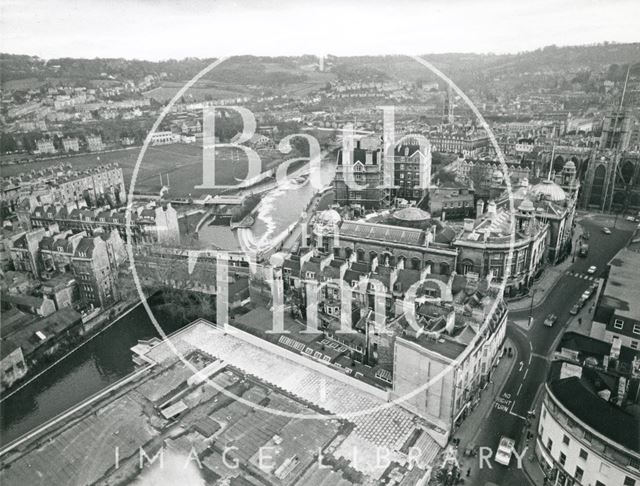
pixel 381 232
pixel 85 248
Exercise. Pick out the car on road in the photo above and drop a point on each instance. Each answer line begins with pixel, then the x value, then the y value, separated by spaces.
pixel 592 269
pixel 606 231
pixel 584 249
pixel 505 450
pixel 550 320
pixel 575 309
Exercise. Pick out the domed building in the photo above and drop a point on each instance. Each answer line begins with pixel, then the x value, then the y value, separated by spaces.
pixel 551 204
pixel 411 216
pixel 549 191
pixel 568 178
pixel 326 222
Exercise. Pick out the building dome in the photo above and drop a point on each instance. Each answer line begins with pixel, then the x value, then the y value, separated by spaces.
pixel 326 222
pixel 526 205
pixel 549 190
pixel 411 214
pixel 330 216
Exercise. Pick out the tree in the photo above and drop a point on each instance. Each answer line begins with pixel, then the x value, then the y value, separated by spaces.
pixel 7 143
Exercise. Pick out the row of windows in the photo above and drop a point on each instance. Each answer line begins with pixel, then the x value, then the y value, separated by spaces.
pixel 457 204
pixel 583 455
pixel 619 324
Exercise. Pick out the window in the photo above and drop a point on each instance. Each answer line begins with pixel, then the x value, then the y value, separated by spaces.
pixel 549 444
pixel 598 483
pixel 565 440
pixel 579 473
pixel 563 458
pixel 634 344
pixel 629 481
pixel 583 454
pixel 634 463
pixel 587 436
pixel 618 323
pixel 636 329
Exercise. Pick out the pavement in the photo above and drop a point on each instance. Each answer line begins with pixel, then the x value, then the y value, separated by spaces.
pixel 530 464
pixel 542 287
pixel 471 427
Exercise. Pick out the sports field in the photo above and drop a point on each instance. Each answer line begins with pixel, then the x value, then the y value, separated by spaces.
pixel 179 165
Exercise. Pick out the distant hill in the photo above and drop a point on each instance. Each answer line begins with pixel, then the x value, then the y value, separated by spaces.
pixel 283 71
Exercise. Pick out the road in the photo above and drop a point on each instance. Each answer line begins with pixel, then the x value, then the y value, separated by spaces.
pixel 534 346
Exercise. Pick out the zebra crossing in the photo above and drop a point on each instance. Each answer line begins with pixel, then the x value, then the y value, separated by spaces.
pixel 583 276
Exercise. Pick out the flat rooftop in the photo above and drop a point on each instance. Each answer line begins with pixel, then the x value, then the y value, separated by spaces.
pixel 256 398
pixel 622 290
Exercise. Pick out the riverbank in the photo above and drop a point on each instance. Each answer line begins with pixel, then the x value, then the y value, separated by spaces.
pixel 98 363
pixel 92 329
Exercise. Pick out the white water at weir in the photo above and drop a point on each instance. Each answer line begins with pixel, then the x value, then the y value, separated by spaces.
pixel 276 215
pixel 283 206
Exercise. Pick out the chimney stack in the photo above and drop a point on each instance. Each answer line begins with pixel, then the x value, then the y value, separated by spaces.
pixel 492 209
pixel 468 224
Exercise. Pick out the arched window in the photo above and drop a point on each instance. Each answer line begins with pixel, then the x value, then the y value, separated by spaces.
pixel 445 269
pixel 360 255
pixel 467 266
pixel 597 187
pixel 415 263
pixel 402 261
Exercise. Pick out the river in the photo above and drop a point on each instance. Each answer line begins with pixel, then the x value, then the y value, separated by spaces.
pixel 278 209
pixel 90 368
pixel 107 357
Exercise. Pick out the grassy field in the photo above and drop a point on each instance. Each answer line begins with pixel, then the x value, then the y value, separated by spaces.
pixel 197 93
pixel 179 164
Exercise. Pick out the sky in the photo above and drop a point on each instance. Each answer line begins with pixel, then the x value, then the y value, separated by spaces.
pixel 166 29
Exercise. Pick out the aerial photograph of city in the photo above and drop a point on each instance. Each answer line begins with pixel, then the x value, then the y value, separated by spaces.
pixel 305 243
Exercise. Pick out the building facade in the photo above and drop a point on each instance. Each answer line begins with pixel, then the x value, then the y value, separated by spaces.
pixel 365 169
pixel 585 439
pixel 490 245
pixel 148 223
pixel 452 202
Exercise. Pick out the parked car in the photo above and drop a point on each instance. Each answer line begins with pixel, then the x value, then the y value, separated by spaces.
pixel 550 320
pixel 606 231
pixel 592 269
pixel 505 450
pixel 586 295
pixel 575 309
pixel 630 218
